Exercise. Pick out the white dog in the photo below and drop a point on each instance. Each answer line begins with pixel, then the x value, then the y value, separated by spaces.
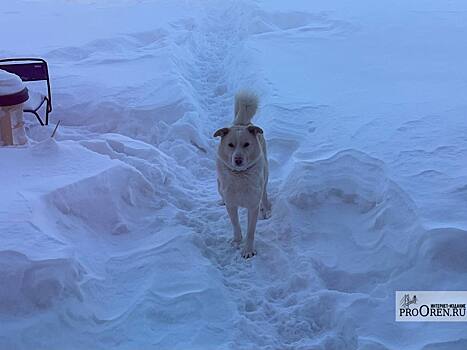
pixel 242 170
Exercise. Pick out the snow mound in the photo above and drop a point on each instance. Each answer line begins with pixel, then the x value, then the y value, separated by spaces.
pixel 355 180
pixel 437 242
pixel 296 23
pixel 32 285
pixel 166 177
pixel 139 183
pixel 340 214
pixel 108 202
pixel 172 287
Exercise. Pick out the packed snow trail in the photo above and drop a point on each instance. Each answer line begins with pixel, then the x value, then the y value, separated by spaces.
pixel 278 295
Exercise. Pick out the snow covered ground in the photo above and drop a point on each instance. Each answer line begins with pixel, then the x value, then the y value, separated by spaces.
pixel 111 235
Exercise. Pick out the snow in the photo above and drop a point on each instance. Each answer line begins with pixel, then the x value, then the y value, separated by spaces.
pixel 111 233
pixel 10 83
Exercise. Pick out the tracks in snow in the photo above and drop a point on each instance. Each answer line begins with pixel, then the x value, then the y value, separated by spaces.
pixel 256 285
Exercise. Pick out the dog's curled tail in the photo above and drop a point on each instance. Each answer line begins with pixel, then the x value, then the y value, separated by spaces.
pixel 246 104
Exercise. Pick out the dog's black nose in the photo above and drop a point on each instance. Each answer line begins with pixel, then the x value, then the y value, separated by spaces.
pixel 238 161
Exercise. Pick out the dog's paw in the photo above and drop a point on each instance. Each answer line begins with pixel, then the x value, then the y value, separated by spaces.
pixel 248 253
pixel 264 213
pixel 235 242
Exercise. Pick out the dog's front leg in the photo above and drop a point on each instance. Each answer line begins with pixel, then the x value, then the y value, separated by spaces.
pixel 249 250
pixel 237 231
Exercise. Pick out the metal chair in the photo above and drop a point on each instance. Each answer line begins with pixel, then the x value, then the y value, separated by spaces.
pixel 32 69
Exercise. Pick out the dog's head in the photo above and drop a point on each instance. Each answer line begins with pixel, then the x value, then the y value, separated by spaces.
pixel 239 145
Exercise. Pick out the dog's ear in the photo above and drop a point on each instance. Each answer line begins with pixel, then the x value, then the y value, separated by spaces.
pixel 221 132
pixel 255 129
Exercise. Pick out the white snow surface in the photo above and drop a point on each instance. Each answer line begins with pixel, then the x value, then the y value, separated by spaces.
pixel 111 236
pixel 10 83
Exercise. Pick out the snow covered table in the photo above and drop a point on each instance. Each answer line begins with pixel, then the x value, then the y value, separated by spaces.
pixel 13 94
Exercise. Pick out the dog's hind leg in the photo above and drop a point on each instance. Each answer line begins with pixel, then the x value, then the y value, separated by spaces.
pixel 237 231
pixel 249 249
pixel 265 206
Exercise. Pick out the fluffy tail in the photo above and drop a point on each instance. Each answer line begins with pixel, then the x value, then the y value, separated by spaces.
pixel 246 104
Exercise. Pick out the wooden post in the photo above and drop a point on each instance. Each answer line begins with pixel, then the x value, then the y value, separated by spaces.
pixel 5 128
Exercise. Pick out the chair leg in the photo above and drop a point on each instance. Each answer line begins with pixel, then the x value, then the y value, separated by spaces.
pixel 47 110
pixel 38 118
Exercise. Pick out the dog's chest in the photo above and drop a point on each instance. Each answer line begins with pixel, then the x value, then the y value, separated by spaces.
pixel 243 190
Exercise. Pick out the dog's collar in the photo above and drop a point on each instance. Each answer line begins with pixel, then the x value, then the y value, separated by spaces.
pixel 241 125
pixel 232 169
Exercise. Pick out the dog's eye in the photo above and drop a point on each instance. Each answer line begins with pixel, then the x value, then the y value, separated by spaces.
pixel 246 144
pixel 231 145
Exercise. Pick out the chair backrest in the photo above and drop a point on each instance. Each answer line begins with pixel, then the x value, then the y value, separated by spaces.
pixel 33 69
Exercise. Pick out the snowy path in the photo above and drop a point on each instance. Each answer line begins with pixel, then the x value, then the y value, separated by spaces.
pixel 278 294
